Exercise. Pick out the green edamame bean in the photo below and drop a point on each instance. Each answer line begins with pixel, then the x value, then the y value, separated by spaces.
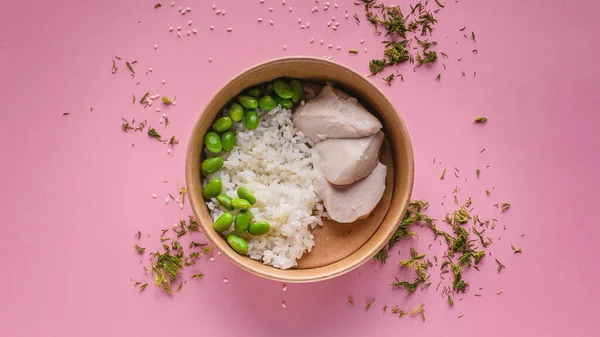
pixel 222 124
pixel 297 90
pixel 237 243
pixel 282 89
pixel 254 92
pixel 212 188
pixel 259 228
pixel 251 120
pixel 212 165
pixel 223 222
pixel 248 102
pixel 225 201
pixel 267 103
pixel 228 140
pixel 269 90
pixel 285 103
pixel 244 193
pixel 239 203
pixel 242 221
pixel 213 142
pixel 236 112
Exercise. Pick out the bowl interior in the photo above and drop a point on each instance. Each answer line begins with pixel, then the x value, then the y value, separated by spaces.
pixel 340 247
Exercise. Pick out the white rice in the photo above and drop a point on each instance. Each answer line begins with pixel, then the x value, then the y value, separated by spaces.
pixel 274 162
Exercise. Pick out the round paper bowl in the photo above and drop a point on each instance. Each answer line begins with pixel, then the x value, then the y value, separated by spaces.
pixel 339 248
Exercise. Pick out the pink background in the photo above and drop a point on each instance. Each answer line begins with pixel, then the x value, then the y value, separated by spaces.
pixel 74 191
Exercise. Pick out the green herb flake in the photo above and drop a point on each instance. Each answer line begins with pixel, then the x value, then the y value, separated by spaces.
pixel 368 306
pixel 515 250
pixel 439 4
pixel 443 174
pixel 166 100
pixel 143 99
pixel 143 286
pixel 125 125
pixel 139 249
pixel 350 301
pixel 141 126
pixel 388 79
pixel 500 265
pixel 450 301
pixel 353 51
pixel 130 67
pixel 173 141
pixel 154 134
pixel 197 276
pixel 480 120
pixel 438 77
pixel 376 66
pixel 419 311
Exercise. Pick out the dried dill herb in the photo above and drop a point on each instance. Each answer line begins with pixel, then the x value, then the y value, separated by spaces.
pixel 450 301
pixel 500 265
pixel 480 120
pixel 443 174
pixel 154 134
pixel 197 276
pixel 438 77
pixel 419 311
pixel 439 4
pixel 139 249
pixel 166 267
pixel 141 126
pixel 376 66
pixel 413 215
pixel 138 235
pixel 350 301
pixel 143 286
pixel 114 68
pixel 515 250
pixel 396 52
pixel 125 125
pixel 473 36
pixel 488 193
pixel 194 244
pixel 143 99
pixel 478 172
pixel 504 206
pixel 158 5
pixel 368 306
pixel 410 287
pixel 166 100
pixel 388 79
pixel 130 67
pixel 173 141
pixel 428 57
pixel 356 19
pixel 353 51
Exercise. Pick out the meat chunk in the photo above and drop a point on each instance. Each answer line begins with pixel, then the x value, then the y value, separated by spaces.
pixel 333 114
pixel 346 160
pixel 348 203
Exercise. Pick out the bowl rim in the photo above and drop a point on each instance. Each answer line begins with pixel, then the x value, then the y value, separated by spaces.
pixel 365 254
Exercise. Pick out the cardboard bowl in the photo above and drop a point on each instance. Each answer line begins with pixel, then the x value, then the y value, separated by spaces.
pixel 339 248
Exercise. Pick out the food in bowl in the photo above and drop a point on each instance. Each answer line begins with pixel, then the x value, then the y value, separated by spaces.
pixel 281 157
